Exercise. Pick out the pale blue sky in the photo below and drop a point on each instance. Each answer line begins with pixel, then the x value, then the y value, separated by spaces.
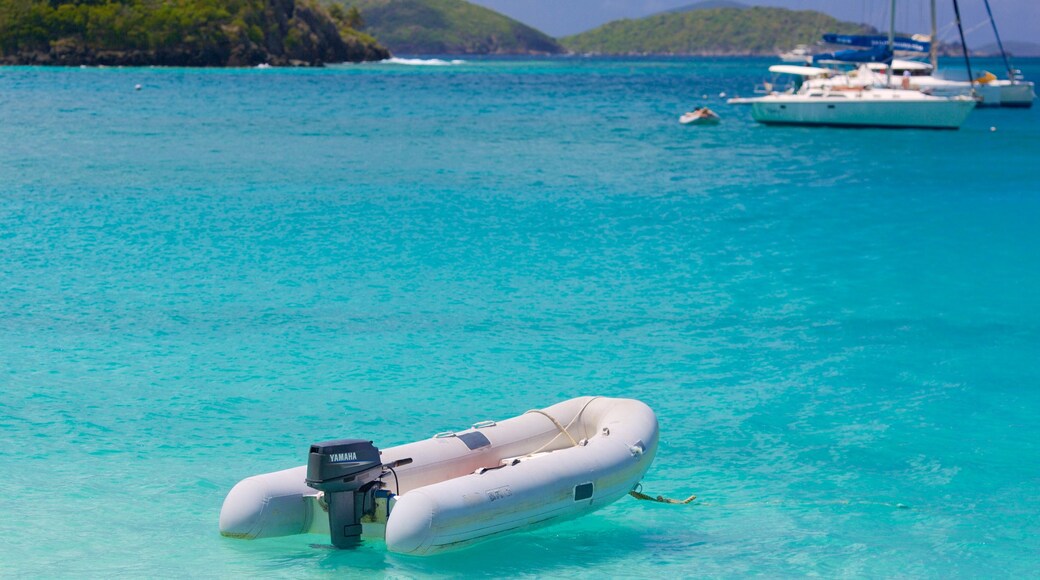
pixel 1017 19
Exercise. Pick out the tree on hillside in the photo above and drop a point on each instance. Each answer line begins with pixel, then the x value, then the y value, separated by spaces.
pixel 350 18
pixel 354 19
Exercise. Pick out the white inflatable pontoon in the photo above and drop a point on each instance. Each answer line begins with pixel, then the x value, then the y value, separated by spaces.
pixel 455 489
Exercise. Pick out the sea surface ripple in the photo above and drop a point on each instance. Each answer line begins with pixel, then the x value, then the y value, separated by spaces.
pixel 839 330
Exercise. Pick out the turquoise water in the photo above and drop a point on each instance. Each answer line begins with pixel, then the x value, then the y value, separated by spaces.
pixel 838 329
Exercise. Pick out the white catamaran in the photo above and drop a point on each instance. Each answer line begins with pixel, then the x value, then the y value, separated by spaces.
pixel 859 106
pixel 990 91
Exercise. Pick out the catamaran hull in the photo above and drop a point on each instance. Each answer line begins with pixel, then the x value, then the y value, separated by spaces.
pixel 864 112
pixel 1001 93
pixel 1006 94
pixel 997 93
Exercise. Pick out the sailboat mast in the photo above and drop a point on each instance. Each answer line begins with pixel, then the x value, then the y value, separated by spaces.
pixel 964 45
pixel 891 40
pixel 933 50
pixel 1003 53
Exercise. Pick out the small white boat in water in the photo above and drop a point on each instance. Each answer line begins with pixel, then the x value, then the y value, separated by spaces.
pixel 701 116
pixel 808 103
pixel 801 54
pixel 457 488
pixel 866 107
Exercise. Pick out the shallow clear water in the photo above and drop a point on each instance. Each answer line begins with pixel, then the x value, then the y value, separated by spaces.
pixel 200 278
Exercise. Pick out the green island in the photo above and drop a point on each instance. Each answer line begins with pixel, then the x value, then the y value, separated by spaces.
pixel 180 33
pixel 727 31
pixel 315 32
pixel 449 27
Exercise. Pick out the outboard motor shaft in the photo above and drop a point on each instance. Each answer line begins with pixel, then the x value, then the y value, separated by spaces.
pixel 345 470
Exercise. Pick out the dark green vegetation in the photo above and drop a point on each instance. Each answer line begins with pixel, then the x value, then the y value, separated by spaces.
pixel 714 31
pixel 708 5
pixel 178 33
pixel 448 27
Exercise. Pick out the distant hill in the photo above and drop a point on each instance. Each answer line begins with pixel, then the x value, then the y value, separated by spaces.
pixel 448 27
pixel 708 5
pixel 177 33
pixel 1015 47
pixel 729 31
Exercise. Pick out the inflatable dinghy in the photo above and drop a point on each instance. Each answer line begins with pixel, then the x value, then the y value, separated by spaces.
pixel 701 116
pixel 457 488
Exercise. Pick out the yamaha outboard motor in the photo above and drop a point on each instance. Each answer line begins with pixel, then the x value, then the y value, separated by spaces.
pixel 346 470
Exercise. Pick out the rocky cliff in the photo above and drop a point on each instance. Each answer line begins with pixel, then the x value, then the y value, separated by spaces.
pixel 203 33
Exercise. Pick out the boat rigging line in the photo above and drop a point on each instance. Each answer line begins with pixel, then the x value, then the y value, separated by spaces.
pixel 1003 53
pixel 964 46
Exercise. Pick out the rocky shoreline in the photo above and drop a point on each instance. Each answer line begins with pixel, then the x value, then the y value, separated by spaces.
pixel 236 57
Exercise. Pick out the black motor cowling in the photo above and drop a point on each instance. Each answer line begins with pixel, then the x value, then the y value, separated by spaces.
pixel 346 470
